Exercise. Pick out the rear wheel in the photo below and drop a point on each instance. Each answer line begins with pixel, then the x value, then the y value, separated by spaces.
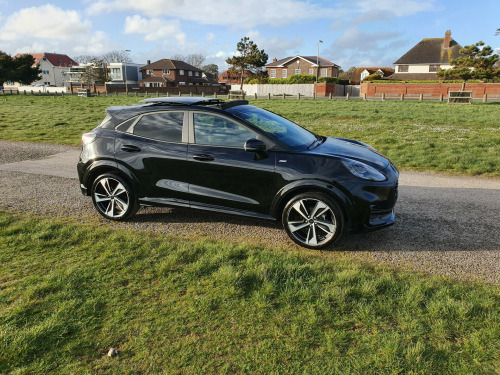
pixel 113 197
pixel 313 220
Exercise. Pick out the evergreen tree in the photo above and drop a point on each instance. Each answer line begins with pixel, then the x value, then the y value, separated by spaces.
pixel 249 58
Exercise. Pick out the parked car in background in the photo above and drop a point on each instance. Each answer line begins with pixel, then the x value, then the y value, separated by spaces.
pixel 235 158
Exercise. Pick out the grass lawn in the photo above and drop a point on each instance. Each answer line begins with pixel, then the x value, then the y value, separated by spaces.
pixel 70 292
pixel 415 135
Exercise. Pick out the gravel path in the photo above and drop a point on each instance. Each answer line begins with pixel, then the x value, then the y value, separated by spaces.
pixel 445 225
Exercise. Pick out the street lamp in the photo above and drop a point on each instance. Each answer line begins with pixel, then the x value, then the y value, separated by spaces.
pixel 317 61
pixel 126 85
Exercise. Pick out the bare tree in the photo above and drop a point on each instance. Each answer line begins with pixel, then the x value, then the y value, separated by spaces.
pixel 194 59
pixel 116 56
pixel 84 59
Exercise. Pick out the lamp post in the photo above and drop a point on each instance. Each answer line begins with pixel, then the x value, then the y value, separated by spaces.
pixel 317 61
pixel 126 85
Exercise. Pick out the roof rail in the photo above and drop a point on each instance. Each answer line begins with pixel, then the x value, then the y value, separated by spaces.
pixel 179 100
pixel 193 100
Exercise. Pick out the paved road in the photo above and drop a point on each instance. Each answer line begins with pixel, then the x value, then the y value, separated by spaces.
pixel 445 225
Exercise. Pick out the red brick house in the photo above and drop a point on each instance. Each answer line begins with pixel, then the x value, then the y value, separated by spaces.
pixel 424 59
pixel 170 73
pixel 233 78
pixel 284 68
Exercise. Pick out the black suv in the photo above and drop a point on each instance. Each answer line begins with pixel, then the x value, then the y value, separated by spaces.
pixel 235 158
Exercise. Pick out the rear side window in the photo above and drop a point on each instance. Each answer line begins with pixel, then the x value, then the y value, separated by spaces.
pixel 165 126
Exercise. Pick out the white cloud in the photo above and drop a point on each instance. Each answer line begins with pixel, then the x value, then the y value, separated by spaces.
pixel 154 29
pixel 44 22
pixel 243 15
pixel 276 46
pixel 209 37
pixel 397 8
pixel 49 28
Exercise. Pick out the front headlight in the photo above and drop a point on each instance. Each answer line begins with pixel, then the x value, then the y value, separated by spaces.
pixel 363 170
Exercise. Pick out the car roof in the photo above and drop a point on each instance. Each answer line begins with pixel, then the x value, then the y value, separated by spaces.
pixel 122 113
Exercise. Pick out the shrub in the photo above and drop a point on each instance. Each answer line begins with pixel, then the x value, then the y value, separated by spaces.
pixel 301 78
pixel 328 80
pixel 372 77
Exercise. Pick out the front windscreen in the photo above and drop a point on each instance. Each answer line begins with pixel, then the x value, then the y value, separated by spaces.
pixel 284 130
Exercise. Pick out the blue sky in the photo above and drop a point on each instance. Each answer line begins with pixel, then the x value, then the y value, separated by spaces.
pixel 354 32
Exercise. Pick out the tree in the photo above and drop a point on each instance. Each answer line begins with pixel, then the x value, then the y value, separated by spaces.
pixel 93 72
pixel 115 56
pixel 498 32
pixel 19 69
pixel 211 69
pixel 347 75
pixel 194 59
pixel 475 63
pixel 249 58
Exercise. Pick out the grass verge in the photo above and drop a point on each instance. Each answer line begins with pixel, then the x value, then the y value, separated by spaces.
pixel 69 292
pixel 415 135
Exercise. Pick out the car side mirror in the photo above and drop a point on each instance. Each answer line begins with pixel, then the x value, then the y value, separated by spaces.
pixel 255 145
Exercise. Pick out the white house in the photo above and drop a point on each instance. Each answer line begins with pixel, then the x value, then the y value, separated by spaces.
pixel 53 67
pixel 424 60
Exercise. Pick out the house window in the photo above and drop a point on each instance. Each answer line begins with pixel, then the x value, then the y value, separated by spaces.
pixel 181 72
pixel 403 68
pixel 149 71
pixel 323 72
pixel 190 73
pixel 433 68
pixel 297 71
pixel 284 73
pixel 311 71
pixel 197 74
pixel 166 71
pixel 273 73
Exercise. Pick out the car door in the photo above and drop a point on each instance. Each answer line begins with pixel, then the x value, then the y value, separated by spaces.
pixel 221 173
pixel 153 147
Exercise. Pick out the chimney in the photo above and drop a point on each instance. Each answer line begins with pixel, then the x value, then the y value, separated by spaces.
pixel 149 62
pixel 447 39
pixel 275 59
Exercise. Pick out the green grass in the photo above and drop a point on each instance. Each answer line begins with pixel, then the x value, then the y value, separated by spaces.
pixel 70 292
pixel 415 135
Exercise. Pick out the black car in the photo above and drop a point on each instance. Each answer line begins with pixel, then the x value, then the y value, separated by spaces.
pixel 235 158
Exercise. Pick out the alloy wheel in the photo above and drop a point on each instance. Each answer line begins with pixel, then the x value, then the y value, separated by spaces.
pixel 311 222
pixel 111 197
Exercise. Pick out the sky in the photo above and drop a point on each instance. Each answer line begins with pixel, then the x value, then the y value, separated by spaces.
pixel 359 33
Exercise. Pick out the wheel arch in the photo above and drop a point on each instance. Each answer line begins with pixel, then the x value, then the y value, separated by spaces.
pixel 294 189
pixel 107 166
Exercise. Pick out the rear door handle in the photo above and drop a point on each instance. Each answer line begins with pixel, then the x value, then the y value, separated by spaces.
pixel 203 157
pixel 130 148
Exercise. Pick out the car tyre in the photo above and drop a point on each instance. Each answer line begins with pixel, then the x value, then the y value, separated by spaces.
pixel 313 220
pixel 113 197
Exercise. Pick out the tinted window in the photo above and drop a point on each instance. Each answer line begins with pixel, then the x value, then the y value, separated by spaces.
pixel 126 126
pixel 218 131
pixel 165 126
pixel 286 131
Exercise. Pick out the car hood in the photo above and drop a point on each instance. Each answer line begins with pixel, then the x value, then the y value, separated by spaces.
pixel 347 148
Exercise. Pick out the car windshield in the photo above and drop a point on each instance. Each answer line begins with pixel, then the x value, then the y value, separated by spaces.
pixel 284 130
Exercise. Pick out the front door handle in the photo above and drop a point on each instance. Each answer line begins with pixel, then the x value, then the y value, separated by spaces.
pixel 203 157
pixel 130 148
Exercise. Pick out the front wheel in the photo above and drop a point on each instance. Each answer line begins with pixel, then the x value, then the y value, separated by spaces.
pixel 313 220
pixel 113 197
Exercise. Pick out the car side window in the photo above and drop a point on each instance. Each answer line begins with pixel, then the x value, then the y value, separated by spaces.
pixel 219 131
pixel 165 126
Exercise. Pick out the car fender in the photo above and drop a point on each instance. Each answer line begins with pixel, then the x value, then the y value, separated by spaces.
pixel 107 166
pixel 301 186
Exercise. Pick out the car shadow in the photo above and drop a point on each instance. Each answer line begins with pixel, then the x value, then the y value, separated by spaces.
pixel 427 219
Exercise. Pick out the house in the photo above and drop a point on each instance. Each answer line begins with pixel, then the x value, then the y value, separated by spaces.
pixel 312 65
pixel 53 67
pixel 361 73
pixel 170 73
pixel 233 77
pixel 424 60
pixel 116 73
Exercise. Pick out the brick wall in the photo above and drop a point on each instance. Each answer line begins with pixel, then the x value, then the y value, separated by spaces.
pixel 433 90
